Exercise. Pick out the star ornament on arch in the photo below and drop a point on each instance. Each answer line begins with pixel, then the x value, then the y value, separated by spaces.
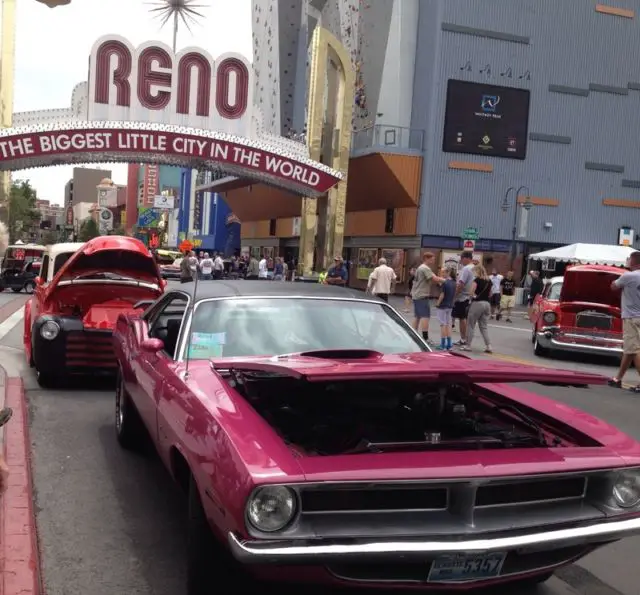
pixel 54 3
pixel 186 10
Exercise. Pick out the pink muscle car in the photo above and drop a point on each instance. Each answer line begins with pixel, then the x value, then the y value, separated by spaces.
pixel 320 441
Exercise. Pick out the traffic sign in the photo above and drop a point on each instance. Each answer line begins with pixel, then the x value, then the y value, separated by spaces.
pixel 470 233
pixel 468 245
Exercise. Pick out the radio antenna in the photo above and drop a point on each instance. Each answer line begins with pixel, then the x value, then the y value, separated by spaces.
pixel 191 313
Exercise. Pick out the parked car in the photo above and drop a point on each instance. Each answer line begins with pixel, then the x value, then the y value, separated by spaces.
pixel 171 271
pixel 68 323
pixel 320 441
pixel 21 278
pixel 579 313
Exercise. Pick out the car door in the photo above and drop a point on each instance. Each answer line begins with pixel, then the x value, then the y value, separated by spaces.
pixel 151 369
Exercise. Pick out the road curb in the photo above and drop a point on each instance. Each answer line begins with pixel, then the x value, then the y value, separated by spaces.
pixel 19 555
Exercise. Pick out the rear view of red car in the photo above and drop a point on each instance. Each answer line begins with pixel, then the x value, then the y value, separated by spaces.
pixel 580 313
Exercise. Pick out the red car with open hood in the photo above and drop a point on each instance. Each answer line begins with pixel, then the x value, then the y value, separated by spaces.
pixel 69 321
pixel 320 441
pixel 579 313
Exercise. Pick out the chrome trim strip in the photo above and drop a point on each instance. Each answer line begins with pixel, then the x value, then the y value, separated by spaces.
pixel 322 551
pixel 183 340
pixel 130 283
pixel 552 343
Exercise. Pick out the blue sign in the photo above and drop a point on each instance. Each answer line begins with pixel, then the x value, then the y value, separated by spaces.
pixel 148 217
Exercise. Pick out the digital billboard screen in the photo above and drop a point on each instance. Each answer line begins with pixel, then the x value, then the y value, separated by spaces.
pixel 486 120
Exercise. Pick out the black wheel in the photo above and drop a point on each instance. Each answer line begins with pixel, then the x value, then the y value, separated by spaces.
pixel 16 289
pixel 539 349
pixel 48 380
pixel 209 565
pixel 29 287
pixel 130 430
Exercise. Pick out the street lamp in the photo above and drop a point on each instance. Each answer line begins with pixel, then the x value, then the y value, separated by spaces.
pixel 526 205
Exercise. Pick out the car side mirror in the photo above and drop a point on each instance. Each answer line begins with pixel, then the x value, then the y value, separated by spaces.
pixel 163 283
pixel 39 281
pixel 152 345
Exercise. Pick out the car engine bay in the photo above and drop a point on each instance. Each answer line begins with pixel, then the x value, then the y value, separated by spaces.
pixel 351 417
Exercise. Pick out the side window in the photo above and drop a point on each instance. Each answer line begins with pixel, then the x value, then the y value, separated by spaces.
pixel 60 260
pixel 165 321
pixel 44 268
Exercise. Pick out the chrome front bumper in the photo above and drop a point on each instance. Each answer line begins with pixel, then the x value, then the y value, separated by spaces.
pixel 321 551
pixel 550 339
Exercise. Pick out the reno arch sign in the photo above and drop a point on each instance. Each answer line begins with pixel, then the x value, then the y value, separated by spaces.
pixel 151 84
pixel 147 105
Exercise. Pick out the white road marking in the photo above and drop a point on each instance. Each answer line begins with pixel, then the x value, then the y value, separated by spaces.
pixel 511 328
pixel 10 323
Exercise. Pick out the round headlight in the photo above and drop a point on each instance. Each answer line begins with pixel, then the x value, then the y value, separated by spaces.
pixel 50 330
pixel 271 508
pixel 549 317
pixel 626 489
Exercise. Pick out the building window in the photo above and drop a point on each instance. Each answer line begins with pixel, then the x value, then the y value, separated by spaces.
pixel 272 227
pixel 389 221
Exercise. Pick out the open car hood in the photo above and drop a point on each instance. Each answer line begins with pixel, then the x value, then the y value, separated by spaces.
pixel 591 284
pixel 336 366
pixel 120 255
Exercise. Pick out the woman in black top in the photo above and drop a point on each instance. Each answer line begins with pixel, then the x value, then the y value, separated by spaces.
pixel 537 286
pixel 407 296
pixel 480 308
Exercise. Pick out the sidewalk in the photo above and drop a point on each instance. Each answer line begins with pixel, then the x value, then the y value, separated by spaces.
pixel 19 559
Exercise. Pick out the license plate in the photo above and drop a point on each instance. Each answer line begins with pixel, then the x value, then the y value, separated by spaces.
pixel 462 567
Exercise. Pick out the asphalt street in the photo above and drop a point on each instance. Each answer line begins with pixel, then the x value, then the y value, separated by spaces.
pixel 112 523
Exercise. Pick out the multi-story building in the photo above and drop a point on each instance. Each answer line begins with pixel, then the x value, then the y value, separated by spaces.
pixel 460 106
pixel 81 191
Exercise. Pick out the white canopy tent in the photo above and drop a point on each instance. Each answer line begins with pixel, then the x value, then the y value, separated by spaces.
pixel 587 254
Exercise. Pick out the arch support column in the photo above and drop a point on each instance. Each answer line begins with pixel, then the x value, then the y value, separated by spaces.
pixel 329 114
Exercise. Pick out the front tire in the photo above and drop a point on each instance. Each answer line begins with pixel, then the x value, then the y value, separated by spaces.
pixel 129 427
pixel 48 380
pixel 29 287
pixel 209 565
pixel 539 349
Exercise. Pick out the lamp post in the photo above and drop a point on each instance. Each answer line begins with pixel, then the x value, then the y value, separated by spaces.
pixel 526 205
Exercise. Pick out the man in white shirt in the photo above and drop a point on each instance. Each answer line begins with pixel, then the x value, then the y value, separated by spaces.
pixel 206 267
pixel 382 280
pixel 494 299
pixel 218 267
pixel 262 268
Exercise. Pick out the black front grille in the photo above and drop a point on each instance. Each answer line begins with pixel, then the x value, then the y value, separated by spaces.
pixel 530 491
pixel 595 320
pixel 377 498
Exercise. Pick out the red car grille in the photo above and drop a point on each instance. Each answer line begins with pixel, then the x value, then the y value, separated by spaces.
pixel 90 349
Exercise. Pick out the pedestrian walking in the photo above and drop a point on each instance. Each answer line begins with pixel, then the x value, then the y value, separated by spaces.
pixel 494 300
pixel 382 280
pixel 206 267
pixel 463 294
pixel 629 284
pixel 535 289
pixel 479 309
pixel 507 296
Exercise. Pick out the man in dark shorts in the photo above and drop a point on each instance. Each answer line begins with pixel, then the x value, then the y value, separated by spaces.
pixel 421 294
pixel 463 294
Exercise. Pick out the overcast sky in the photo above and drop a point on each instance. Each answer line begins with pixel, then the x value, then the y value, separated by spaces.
pixel 53 45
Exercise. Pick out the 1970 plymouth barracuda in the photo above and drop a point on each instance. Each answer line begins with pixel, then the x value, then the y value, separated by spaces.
pixel 320 441
pixel 579 313
pixel 68 323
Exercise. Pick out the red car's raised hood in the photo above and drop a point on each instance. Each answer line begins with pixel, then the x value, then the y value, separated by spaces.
pixel 327 366
pixel 114 254
pixel 591 284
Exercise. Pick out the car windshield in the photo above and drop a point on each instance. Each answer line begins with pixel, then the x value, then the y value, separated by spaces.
pixel 276 326
pixel 554 292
